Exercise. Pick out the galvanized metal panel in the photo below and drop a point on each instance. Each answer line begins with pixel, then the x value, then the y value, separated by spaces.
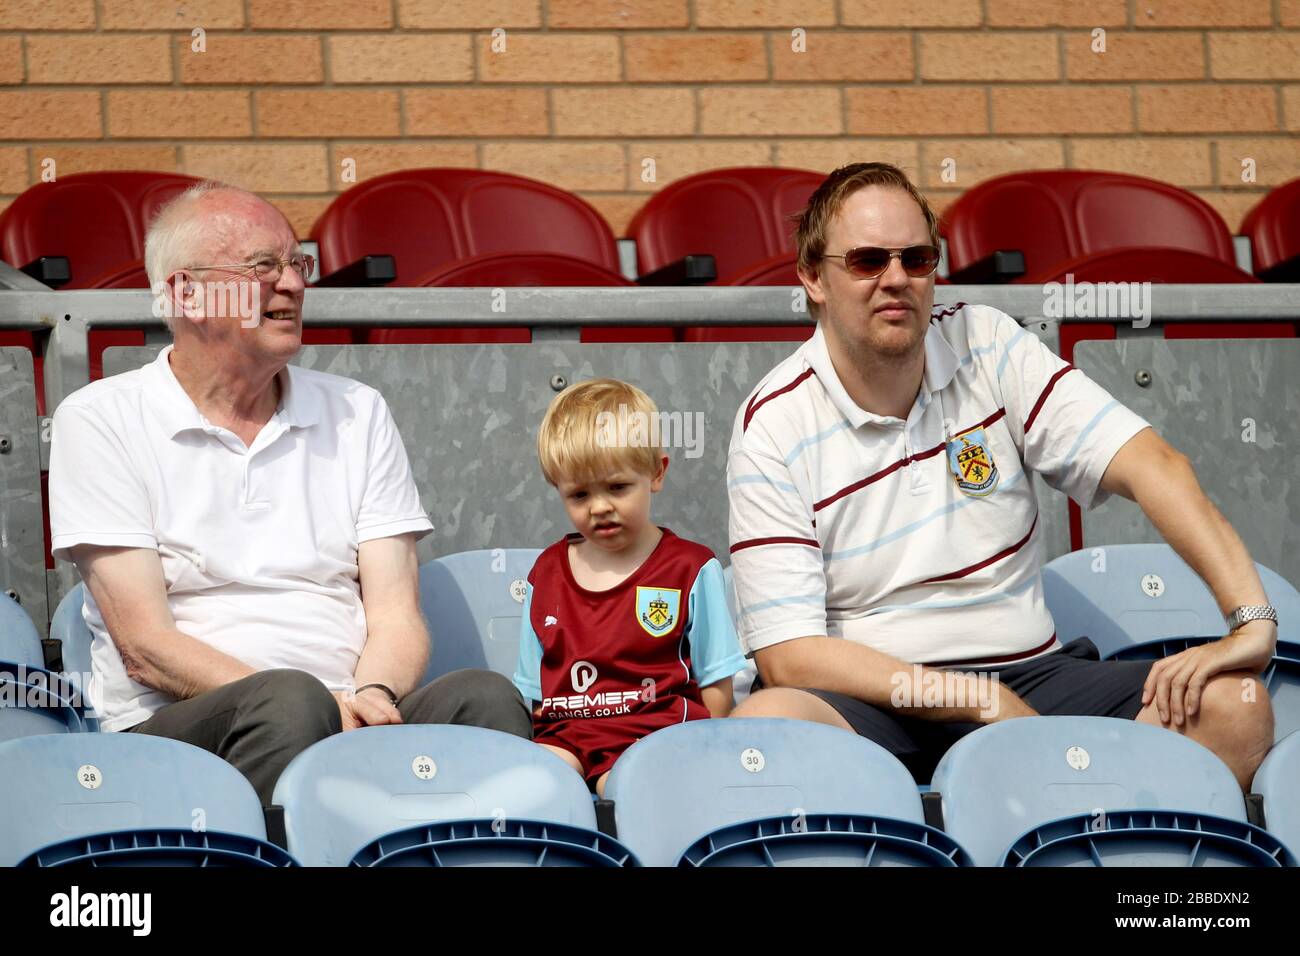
pixel 22 536
pixel 1231 406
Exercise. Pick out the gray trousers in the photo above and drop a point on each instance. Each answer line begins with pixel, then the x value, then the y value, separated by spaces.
pixel 261 722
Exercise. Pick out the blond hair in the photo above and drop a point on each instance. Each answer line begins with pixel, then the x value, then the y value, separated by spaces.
pixel 585 432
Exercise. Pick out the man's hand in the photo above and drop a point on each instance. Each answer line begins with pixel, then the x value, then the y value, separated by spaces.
pixel 1176 682
pixel 370 708
pixel 1006 705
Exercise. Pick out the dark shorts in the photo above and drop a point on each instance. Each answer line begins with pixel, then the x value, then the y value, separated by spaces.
pixel 1069 682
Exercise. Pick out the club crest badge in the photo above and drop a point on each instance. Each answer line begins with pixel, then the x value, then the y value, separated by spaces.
pixel 656 609
pixel 972 463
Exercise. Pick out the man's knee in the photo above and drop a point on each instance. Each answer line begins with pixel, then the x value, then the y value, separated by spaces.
pixel 789 703
pixel 478 698
pixel 1237 704
pixel 295 703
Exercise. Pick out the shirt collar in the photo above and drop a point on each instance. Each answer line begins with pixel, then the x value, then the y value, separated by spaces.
pixel 940 366
pixel 177 411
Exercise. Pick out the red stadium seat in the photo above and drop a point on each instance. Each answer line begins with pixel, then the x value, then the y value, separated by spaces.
pixel 1067 220
pixel 1273 227
pixel 96 220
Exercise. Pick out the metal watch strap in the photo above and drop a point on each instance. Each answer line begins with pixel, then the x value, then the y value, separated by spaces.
pixel 1251 612
pixel 392 698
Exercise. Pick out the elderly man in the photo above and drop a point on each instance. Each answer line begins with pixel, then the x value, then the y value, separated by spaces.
pixel 883 524
pixel 246 529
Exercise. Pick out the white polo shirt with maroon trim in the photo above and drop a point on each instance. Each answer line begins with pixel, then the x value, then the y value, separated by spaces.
pixel 919 538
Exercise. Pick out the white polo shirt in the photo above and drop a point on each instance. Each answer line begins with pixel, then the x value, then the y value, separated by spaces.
pixel 919 538
pixel 258 544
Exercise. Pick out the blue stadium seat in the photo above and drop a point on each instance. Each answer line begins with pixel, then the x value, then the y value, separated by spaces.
pixel 1062 787
pixel 1278 781
pixel 34 701
pixel 68 626
pixel 1147 604
pixel 349 797
pixel 123 799
pixel 19 641
pixel 472 602
pixel 768 792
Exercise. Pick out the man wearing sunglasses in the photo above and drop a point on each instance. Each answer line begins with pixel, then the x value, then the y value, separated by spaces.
pixel 885 535
pixel 246 528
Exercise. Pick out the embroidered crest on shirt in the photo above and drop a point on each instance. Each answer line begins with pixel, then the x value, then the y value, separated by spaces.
pixel 656 609
pixel 972 463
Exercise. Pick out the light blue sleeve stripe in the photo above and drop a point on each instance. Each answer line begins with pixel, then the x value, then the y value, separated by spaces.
pixel 798 449
pixel 528 672
pixel 1087 430
pixel 918 524
pixel 781 602
pixel 1006 356
pixel 715 649
pixel 761 480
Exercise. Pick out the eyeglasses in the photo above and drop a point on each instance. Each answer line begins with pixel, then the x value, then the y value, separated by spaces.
pixel 268 266
pixel 869 262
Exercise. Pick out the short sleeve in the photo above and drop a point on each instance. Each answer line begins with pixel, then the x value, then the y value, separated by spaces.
pixel 96 494
pixel 1067 427
pixel 776 558
pixel 528 672
pixel 715 653
pixel 390 504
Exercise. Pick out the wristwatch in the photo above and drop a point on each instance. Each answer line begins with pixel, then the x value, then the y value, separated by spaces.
pixel 1250 612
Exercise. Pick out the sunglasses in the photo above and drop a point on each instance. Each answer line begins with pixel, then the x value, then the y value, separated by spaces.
pixel 869 262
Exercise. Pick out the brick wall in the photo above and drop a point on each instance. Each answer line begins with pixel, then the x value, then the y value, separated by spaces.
pixel 586 90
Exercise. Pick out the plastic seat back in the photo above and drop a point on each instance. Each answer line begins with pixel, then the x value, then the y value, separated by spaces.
pixel 473 602
pixel 680 783
pixel 69 627
pixel 1273 227
pixel 430 219
pixel 97 220
pixel 58 788
pixel 1278 781
pixel 344 792
pixel 19 641
pixel 1007 778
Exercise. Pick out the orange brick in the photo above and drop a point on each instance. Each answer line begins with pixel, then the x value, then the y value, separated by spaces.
pixel 369 160
pixel 1057 13
pixel 941 199
pixel 1276 161
pixel 252 60
pixel 974 160
pixel 320 14
pixel 302 212
pixel 1232 206
pixel 389 58
pixel 1166 55
pixel 617 14
pixel 208 14
pixel 1204 13
pixel 1291 106
pixel 47 15
pixel 695 57
pixel 261 168
pixel 595 166
pixel 11 60
pixel 654 165
pixel 469 14
pixel 1290 13
pixel 5 203
pixel 99 59
pixel 624 111
pixel 765 13
pixel 1255 56
pixel 617 209
pixel 918 110
pixel 823 155
pixel 86 159
pixel 32 114
pixel 918 13
pixel 465 111
pixel 318 113
pixel 553 58
pixel 13 169
pixel 843 55
pixel 179 114
pixel 768 110
pixel 1184 162
pixel 1062 109
pixel 1207 108
pixel 989 56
